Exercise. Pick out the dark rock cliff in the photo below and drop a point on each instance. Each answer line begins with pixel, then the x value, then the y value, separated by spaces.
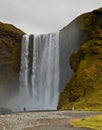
pixel 84 90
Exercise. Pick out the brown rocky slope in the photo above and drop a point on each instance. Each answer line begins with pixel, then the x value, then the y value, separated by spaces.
pixel 10 47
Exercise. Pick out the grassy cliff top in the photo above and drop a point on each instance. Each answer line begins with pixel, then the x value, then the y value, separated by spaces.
pixel 86 20
pixel 10 28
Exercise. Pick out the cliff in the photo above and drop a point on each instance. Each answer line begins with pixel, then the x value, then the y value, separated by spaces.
pixel 84 90
pixel 10 48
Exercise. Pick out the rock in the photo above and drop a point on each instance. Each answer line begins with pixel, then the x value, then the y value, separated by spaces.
pixel 5 110
pixel 86 83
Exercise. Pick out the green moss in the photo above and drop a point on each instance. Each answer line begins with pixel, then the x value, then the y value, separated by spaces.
pixel 86 83
pixel 94 122
pixel 63 99
pixel 87 78
pixel 92 47
pixel 75 59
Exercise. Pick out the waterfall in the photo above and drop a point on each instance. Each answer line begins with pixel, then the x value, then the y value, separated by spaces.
pixel 24 61
pixel 39 75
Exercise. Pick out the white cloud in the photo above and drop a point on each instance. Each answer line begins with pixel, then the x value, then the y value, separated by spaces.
pixel 40 16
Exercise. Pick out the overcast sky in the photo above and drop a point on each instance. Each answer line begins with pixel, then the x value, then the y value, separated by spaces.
pixel 42 16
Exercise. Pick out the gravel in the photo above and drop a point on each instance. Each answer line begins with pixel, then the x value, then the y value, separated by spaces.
pixel 53 120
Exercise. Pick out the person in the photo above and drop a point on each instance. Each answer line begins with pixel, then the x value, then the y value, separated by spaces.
pixel 24 109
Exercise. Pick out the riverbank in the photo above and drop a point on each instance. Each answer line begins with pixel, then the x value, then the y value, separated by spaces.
pixel 42 120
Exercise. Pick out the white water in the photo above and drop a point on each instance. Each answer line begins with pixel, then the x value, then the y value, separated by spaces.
pixel 24 61
pixel 43 91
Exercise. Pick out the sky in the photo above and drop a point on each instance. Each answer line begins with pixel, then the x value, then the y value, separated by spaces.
pixel 44 16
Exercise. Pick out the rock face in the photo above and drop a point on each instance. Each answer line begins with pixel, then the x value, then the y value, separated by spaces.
pixel 10 47
pixel 70 39
pixel 84 90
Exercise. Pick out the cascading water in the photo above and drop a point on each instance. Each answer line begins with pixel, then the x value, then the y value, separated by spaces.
pixel 39 75
pixel 40 81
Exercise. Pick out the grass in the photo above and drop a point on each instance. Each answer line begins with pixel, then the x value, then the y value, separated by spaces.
pixel 85 87
pixel 94 122
pixel 91 102
pixel 10 28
